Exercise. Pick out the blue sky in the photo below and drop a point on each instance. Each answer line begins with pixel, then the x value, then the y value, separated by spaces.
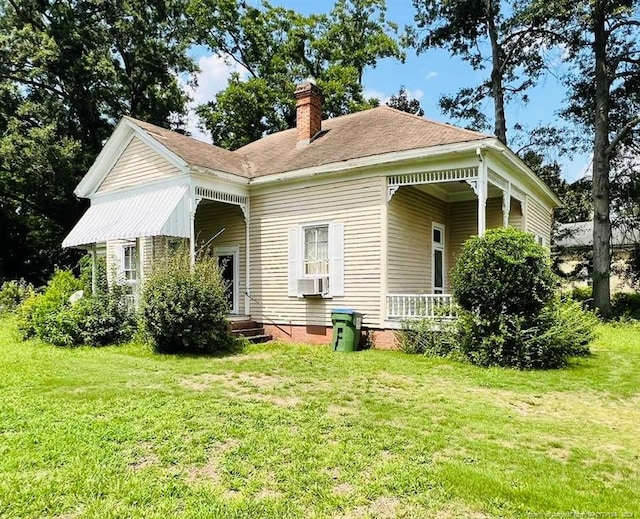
pixel 426 77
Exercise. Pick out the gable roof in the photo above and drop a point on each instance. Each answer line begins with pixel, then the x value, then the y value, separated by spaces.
pixel 362 134
pixel 193 151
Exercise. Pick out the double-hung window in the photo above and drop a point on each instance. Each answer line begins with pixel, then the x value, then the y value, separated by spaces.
pixel 316 250
pixel 129 270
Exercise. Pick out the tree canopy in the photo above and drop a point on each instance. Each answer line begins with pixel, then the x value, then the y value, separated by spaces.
pixel 277 48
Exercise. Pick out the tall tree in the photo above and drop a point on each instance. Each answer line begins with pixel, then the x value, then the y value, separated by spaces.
pixel 402 101
pixel 487 34
pixel 68 71
pixel 276 48
pixel 602 42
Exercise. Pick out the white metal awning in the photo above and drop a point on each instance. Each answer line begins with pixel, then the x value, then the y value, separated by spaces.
pixel 164 212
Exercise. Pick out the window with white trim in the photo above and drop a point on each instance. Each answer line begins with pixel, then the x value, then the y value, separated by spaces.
pixel 316 250
pixel 437 255
pixel 129 270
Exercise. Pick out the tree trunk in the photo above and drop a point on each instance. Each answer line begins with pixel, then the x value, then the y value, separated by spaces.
pixel 600 189
pixel 497 89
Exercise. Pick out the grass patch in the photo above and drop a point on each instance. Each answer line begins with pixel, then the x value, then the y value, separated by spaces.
pixel 299 431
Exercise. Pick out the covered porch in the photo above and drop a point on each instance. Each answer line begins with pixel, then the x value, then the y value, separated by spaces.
pixel 430 214
pixel 134 228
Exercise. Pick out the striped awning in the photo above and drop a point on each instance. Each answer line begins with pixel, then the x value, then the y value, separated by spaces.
pixel 164 212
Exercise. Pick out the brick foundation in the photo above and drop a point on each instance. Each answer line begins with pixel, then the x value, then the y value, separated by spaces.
pixel 313 334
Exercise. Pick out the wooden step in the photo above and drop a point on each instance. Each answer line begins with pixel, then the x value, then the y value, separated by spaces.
pixel 247 332
pixel 256 339
pixel 243 325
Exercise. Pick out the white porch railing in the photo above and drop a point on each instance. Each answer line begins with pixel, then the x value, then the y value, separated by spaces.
pixel 420 306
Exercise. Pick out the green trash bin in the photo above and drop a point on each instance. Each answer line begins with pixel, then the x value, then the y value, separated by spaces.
pixel 347 324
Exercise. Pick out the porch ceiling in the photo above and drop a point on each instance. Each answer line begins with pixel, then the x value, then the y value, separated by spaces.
pixel 455 191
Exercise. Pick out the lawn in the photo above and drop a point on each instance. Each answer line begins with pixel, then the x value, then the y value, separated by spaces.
pixel 299 431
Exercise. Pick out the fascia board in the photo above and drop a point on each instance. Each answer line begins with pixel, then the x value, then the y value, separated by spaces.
pixel 207 173
pixel 371 161
pixel 534 180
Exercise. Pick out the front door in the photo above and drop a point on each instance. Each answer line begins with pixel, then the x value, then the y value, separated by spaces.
pixel 228 264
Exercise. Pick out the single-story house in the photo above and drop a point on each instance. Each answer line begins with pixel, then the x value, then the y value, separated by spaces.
pixel 572 250
pixel 366 211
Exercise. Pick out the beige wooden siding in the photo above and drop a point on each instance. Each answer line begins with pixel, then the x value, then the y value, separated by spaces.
pixel 211 218
pixel 137 164
pixel 410 215
pixel 355 203
pixel 463 223
pixel 538 219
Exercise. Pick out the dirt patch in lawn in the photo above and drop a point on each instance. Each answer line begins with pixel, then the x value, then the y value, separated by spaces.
pixel 146 459
pixel 210 472
pixel 246 386
pixel 381 508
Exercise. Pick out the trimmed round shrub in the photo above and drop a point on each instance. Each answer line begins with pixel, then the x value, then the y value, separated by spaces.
pixel 184 308
pixel 503 271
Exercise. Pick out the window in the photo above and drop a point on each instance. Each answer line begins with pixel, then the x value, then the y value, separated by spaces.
pixel 437 247
pixel 316 250
pixel 129 262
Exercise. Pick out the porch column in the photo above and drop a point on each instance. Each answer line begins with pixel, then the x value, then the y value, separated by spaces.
pixel 192 233
pixel 481 192
pixel 247 252
pixel 506 205
pixel 94 269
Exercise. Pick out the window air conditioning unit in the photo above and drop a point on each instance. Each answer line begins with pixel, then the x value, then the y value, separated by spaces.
pixel 313 287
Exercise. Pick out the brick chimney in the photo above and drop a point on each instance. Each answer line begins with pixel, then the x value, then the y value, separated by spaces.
pixel 308 112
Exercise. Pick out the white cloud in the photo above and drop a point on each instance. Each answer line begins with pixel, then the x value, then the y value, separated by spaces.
pixel 376 94
pixel 415 94
pixel 431 75
pixel 215 70
pixel 384 98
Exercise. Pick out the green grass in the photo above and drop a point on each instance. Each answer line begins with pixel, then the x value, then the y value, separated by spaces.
pixel 298 431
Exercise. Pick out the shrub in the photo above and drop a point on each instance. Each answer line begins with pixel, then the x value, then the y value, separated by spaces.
pixel 13 293
pixel 38 312
pixel 504 284
pixel 184 309
pixel 503 271
pixel 95 320
pixel 437 337
pixel 101 320
pixel 561 330
pixel 626 305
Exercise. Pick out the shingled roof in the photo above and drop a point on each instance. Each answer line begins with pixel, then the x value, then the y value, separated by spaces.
pixel 362 134
pixel 195 152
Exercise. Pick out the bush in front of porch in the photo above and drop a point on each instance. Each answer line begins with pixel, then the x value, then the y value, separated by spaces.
pixel 510 315
pixel 183 308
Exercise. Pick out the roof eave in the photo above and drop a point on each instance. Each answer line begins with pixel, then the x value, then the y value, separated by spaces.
pixel 382 159
pixel 498 146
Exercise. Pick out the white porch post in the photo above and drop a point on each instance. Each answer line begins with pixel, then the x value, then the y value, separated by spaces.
pixel 247 253
pixel 94 269
pixel 481 192
pixel 192 231
pixel 506 205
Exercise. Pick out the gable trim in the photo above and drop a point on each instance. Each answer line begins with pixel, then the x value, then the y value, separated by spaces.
pixel 121 137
